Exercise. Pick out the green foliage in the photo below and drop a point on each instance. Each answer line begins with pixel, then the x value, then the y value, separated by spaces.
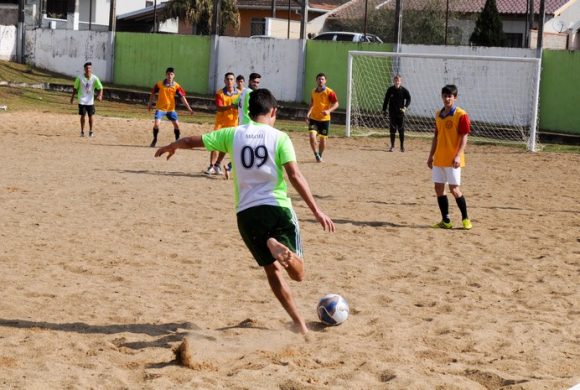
pixel 424 27
pixel 488 27
pixel 199 14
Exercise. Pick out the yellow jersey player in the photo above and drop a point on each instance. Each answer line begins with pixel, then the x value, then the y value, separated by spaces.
pixel 226 101
pixel 323 101
pixel 166 91
pixel 446 158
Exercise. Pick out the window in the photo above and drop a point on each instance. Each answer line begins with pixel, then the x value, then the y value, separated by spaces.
pixel 56 9
pixel 344 37
pixel 258 26
pixel 324 37
pixel 149 3
pixel 513 40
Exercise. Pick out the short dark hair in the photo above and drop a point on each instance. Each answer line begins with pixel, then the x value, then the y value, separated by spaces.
pixel 254 76
pixel 87 64
pixel 170 69
pixel 261 102
pixel 228 74
pixel 240 77
pixel 320 75
pixel 449 89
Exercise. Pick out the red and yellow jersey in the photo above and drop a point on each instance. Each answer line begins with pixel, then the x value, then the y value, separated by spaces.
pixel 449 130
pixel 166 93
pixel 322 100
pixel 229 117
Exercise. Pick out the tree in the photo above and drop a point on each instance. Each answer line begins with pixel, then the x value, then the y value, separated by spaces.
pixel 425 26
pixel 199 14
pixel 488 27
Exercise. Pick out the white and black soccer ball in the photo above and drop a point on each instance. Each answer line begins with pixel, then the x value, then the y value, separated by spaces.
pixel 332 309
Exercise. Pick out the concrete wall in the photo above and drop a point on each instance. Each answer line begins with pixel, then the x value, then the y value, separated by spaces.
pixel 141 60
pixel 65 51
pixel 560 91
pixel 279 61
pixel 7 43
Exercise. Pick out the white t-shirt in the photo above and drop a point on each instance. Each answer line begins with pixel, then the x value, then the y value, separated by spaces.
pixel 258 153
pixel 86 89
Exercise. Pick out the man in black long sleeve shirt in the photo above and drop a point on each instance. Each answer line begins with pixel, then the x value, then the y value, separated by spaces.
pixel 397 99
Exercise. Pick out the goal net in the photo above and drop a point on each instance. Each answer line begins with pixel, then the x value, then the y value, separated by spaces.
pixel 500 94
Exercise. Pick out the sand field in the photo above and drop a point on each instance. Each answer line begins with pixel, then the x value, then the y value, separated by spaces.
pixel 109 258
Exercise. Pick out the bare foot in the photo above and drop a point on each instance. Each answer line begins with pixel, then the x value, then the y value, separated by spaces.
pixel 301 328
pixel 279 251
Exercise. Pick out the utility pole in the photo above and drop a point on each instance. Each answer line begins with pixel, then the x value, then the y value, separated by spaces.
pixel 217 10
pixel 446 21
pixel 113 16
pixel 304 21
pixel 155 16
pixel 541 21
pixel 288 36
pixel 398 23
pixel 365 24
pixel 530 20
pixel 21 28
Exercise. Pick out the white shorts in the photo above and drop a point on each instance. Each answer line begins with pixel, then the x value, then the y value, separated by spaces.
pixel 447 175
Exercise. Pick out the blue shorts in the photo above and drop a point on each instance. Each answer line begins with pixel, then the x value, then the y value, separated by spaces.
pixel 171 115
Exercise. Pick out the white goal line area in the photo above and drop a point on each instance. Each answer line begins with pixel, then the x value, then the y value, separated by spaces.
pixel 500 94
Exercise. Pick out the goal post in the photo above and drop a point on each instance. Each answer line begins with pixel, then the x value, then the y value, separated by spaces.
pixel 501 94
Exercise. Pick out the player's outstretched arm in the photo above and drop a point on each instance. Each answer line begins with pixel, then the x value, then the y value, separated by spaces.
pixel 186 104
pixel 194 141
pixel 299 182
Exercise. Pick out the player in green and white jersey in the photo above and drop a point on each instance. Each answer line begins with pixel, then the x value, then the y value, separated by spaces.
pixel 244 100
pixel 84 89
pixel 267 223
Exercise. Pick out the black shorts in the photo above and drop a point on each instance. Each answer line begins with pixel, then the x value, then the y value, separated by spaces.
pixel 397 123
pixel 321 127
pixel 258 224
pixel 87 109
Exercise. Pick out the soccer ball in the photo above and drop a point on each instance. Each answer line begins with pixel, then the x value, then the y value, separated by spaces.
pixel 332 309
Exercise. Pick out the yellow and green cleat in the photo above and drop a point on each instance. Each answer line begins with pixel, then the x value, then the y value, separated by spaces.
pixel 442 225
pixel 467 224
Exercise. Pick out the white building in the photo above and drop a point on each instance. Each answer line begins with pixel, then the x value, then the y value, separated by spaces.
pixel 81 14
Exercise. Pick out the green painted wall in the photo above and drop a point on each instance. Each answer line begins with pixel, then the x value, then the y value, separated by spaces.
pixel 331 58
pixel 560 91
pixel 141 60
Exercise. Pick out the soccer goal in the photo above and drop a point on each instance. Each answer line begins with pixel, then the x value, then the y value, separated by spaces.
pixel 500 94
